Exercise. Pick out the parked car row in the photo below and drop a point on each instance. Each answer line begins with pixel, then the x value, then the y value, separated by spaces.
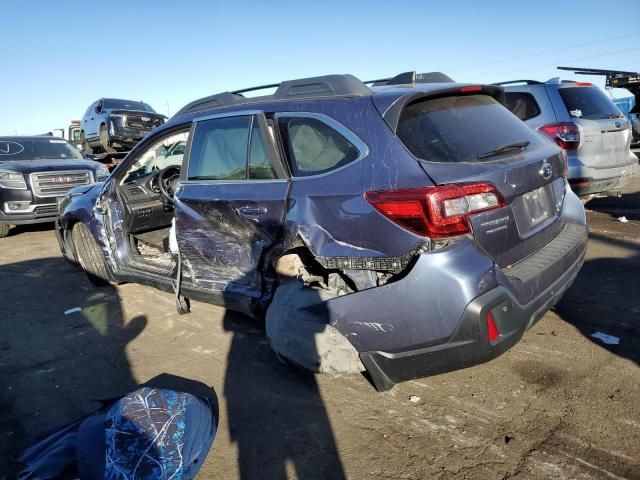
pixel 404 227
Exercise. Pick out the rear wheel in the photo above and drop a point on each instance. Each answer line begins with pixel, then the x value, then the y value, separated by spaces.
pixel 89 255
pixel 4 230
pixel 302 336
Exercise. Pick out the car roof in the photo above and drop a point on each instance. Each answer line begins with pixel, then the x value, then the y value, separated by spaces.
pixel 385 91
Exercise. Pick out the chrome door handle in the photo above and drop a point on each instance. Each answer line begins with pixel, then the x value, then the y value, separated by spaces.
pixel 251 211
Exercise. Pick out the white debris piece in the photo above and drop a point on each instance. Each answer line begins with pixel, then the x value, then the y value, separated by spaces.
pixel 72 310
pixel 607 339
pixel 623 219
pixel 414 398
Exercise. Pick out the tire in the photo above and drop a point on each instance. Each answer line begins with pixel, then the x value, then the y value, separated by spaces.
pixel 86 148
pixel 305 339
pixel 89 255
pixel 4 230
pixel 104 140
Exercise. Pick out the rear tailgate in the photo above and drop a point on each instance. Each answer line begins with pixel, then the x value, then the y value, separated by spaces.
pixel 605 133
pixel 448 135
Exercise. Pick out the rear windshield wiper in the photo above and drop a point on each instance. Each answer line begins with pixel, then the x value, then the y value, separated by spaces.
pixel 504 149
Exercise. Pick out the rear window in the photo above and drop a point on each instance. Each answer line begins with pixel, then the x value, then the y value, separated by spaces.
pixel 313 147
pixel 522 105
pixel 45 148
pixel 588 102
pixel 459 129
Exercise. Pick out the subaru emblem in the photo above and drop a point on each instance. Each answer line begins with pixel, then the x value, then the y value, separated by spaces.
pixel 546 171
pixel 618 124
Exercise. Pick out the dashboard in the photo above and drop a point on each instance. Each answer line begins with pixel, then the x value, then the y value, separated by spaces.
pixel 143 203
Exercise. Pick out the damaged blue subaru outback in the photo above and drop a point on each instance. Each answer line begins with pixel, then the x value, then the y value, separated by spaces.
pixel 404 227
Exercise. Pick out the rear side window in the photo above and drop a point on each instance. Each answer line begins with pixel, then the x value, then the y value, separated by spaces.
pixel 588 102
pixel 314 147
pixel 459 129
pixel 523 105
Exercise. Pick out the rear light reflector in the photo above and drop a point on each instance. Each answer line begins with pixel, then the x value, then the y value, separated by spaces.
pixel 582 84
pixel 566 135
pixel 492 329
pixel 436 212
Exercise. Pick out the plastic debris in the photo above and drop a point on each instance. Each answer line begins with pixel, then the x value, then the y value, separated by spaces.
pixel 72 310
pixel 623 219
pixel 607 339
pixel 414 398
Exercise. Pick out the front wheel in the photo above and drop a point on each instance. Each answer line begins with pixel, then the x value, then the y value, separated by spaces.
pixel 105 144
pixel 4 230
pixel 86 148
pixel 89 255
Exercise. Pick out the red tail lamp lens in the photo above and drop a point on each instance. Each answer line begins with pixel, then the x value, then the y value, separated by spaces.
pixel 436 212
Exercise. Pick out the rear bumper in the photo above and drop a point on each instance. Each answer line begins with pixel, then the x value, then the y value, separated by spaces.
pixel 588 181
pixel 469 345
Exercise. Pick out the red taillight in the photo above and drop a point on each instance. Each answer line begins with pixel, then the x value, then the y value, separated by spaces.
pixel 566 135
pixel 492 329
pixel 436 212
pixel 471 88
pixel 582 84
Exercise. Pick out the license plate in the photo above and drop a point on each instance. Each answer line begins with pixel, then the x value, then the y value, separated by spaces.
pixel 537 207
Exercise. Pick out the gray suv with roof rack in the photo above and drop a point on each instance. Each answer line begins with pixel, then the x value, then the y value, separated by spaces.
pixel 408 229
pixel 585 123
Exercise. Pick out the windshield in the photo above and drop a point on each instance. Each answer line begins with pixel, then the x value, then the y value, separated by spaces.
pixel 588 102
pixel 127 105
pixel 462 129
pixel 45 148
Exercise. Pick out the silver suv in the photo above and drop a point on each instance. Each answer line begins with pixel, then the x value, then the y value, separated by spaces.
pixel 583 121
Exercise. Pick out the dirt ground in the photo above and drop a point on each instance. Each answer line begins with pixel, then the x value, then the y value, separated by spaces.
pixel 560 404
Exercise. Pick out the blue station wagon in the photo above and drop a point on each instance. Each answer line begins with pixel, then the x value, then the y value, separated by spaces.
pixel 405 228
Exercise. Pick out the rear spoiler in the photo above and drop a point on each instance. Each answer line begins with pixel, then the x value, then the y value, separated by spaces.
pixel 391 107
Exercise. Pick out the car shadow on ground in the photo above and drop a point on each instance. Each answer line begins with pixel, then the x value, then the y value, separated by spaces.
pixel 628 206
pixel 604 298
pixel 36 227
pixel 55 365
pixel 275 411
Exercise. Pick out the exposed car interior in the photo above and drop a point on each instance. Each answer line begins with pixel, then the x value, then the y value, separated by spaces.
pixel 147 189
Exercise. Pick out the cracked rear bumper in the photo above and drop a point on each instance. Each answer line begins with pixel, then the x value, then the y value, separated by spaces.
pixel 469 345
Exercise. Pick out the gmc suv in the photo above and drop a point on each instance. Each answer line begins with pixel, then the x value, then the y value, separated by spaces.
pixel 34 173
pixel 407 229
pixel 111 125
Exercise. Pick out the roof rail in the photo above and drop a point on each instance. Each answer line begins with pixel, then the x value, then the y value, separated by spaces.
pixel 411 78
pixel 322 86
pixel 528 82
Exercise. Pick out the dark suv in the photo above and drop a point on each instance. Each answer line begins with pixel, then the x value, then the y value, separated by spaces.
pixel 406 229
pixel 34 173
pixel 112 125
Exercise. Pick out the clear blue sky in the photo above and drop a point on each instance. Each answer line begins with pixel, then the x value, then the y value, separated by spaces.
pixel 58 57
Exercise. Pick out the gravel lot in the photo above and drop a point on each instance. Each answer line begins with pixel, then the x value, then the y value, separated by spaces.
pixel 560 404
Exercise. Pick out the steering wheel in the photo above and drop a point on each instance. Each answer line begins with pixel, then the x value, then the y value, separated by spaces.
pixel 167 178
